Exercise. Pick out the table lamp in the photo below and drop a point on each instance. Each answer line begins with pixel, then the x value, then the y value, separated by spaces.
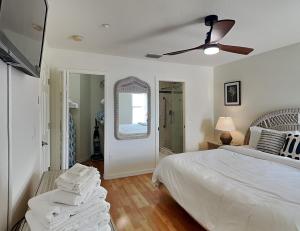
pixel 226 125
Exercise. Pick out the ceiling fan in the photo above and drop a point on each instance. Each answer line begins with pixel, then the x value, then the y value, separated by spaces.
pixel 218 29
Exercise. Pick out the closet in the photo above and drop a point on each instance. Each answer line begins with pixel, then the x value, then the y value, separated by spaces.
pixel 86 117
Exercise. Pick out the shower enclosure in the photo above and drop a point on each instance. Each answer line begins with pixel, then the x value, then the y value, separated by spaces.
pixel 170 117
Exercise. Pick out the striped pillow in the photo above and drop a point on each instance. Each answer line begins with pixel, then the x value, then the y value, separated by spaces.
pixel 271 142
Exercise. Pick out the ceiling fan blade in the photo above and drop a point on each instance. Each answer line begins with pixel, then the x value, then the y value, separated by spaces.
pixel 220 29
pixel 235 49
pixel 183 51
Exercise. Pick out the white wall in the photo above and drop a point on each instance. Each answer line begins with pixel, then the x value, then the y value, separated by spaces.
pixel 25 141
pixel 270 81
pixel 128 157
pixel 3 146
pixel 74 87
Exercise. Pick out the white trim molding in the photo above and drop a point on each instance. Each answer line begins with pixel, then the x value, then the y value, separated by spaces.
pixel 65 95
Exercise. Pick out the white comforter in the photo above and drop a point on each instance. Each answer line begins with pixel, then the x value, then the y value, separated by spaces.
pixel 235 188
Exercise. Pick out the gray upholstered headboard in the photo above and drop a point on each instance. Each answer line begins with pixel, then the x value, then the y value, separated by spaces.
pixel 282 120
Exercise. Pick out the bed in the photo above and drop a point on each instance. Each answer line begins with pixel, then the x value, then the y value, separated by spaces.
pixel 125 129
pixel 238 188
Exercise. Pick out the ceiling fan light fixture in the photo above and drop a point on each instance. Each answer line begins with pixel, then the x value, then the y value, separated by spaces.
pixel 76 38
pixel 105 25
pixel 218 30
pixel 211 50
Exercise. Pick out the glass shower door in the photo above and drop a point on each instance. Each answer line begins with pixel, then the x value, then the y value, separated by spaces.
pixel 177 122
pixel 171 117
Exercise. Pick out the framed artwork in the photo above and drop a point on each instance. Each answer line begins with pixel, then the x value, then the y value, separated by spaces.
pixel 232 93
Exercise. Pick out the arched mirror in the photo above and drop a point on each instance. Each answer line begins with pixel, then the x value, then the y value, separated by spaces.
pixel 132 109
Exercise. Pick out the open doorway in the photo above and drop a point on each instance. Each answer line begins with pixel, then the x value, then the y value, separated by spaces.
pixel 85 119
pixel 171 118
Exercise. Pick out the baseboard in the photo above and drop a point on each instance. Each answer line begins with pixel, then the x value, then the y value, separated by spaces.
pixel 126 174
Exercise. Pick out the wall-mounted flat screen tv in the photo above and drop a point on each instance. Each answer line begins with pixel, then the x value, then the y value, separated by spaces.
pixel 22 30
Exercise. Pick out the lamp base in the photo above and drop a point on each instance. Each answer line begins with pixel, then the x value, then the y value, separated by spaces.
pixel 226 138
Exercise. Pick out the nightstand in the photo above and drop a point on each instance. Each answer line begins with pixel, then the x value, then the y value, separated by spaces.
pixel 212 144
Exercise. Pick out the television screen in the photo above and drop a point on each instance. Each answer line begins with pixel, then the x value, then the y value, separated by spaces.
pixel 22 27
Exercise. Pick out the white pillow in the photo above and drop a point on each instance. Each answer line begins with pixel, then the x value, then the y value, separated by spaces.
pixel 254 136
pixel 255 133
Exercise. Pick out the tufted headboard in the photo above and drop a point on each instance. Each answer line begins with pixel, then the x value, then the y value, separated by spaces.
pixel 282 120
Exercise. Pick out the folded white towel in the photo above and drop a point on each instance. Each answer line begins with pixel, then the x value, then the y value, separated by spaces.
pixel 97 228
pixel 104 228
pixel 77 222
pixel 70 177
pixel 44 206
pixel 79 169
pixel 77 184
pixel 93 211
pixel 80 221
pixel 85 188
pixel 68 198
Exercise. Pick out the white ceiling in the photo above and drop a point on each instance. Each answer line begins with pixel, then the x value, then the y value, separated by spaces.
pixel 139 27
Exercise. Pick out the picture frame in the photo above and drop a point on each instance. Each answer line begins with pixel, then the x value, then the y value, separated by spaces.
pixel 232 93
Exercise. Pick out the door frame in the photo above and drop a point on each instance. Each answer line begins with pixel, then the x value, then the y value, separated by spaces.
pixel 45 76
pixel 65 121
pixel 159 79
pixel 65 115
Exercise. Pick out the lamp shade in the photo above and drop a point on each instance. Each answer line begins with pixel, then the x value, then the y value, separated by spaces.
pixel 225 124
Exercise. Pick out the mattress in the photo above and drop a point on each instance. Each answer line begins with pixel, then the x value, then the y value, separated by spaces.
pixel 234 188
pixel 126 129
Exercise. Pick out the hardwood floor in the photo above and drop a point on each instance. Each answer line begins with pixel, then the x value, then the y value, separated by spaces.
pixel 137 205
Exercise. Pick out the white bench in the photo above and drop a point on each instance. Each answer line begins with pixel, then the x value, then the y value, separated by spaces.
pixel 47 184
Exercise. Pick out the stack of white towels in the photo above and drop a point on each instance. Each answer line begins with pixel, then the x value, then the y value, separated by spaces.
pixel 78 204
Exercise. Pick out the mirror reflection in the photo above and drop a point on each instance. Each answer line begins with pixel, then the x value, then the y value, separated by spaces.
pixel 133 113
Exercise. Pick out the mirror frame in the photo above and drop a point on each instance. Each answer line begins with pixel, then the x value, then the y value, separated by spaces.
pixel 131 85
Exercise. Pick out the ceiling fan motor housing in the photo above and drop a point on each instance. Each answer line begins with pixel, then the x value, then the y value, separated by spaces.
pixel 210 20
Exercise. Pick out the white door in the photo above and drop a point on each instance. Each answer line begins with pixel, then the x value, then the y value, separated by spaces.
pixel 57 106
pixel 59 122
pixel 45 117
